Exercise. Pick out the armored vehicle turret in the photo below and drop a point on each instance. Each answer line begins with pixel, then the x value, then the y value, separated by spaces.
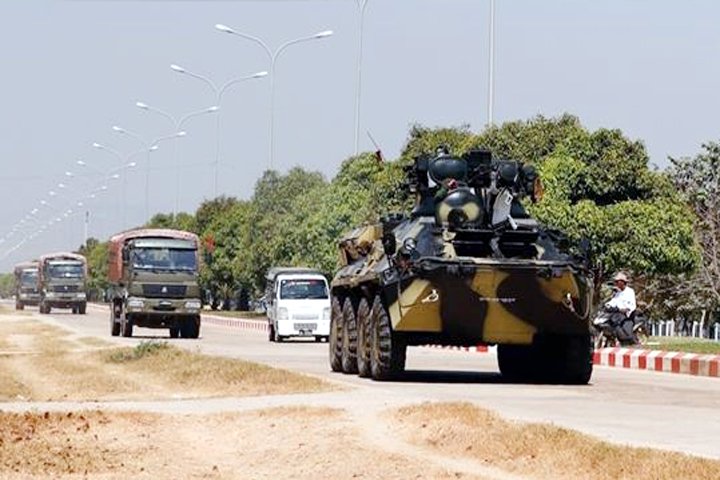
pixel 468 266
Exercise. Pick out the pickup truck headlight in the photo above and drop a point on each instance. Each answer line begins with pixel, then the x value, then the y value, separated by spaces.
pixel 326 313
pixel 81 296
pixel 50 294
pixel 24 295
pixel 193 305
pixel 282 313
pixel 135 303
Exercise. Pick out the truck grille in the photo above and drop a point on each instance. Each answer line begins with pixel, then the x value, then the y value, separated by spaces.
pixel 164 291
pixel 65 288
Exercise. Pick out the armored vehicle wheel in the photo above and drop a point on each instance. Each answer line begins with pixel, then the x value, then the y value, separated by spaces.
pixel 82 309
pixel 335 340
pixel 561 359
pixel 574 363
pixel 174 332
pixel 387 350
pixel 114 326
pixel 126 326
pixel 190 327
pixel 349 338
pixel 516 362
pixel 363 338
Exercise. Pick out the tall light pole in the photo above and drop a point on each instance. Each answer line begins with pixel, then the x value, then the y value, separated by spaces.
pixel 218 91
pixel 491 64
pixel 125 165
pixel 272 56
pixel 178 132
pixel 149 147
pixel 361 5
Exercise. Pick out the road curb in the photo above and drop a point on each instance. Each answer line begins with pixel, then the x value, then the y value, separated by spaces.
pixel 242 323
pixel 660 361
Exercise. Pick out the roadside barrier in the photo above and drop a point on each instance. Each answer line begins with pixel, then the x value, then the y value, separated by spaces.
pixel 242 323
pixel 659 361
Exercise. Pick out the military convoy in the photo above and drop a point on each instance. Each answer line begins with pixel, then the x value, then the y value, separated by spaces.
pixel 467 266
pixel 27 292
pixel 62 279
pixel 154 282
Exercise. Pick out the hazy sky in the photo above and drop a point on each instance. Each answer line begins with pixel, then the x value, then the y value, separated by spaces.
pixel 72 69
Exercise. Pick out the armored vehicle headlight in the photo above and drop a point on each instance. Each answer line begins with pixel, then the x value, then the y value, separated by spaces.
pixel 135 303
pixel 282 313
pixel 193 305
pixel 326 313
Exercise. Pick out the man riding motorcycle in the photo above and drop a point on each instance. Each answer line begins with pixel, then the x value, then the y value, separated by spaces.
pixel 619 310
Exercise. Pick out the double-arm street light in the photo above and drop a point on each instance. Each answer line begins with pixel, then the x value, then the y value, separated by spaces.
pixel 178 132
pixel 272 56
pixel 218 91
pixel 149 147
pixel 124 164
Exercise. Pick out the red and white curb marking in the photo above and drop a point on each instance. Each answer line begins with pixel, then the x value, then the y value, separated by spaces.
pixel 242 323
pixel 659 361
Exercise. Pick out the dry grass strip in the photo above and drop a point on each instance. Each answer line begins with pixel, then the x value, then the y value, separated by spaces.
pixel 540 450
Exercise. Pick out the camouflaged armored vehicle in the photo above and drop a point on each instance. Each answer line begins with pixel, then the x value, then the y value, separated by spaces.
pixel 467 267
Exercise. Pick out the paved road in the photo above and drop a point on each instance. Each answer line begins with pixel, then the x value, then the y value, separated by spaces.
pixel 669 411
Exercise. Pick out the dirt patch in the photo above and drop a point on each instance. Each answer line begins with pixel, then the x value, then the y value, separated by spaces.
pixel 538 450
pixel 279 443
pixel 43 362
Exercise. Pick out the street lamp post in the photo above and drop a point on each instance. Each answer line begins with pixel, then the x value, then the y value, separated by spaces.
pixel 124 165
pixel 361 5
pixel 273 56
pixel 177 125
pixel 218 91
pixel 149 147
pixel 491 64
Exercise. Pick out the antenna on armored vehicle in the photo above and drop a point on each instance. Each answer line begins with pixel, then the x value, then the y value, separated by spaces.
pixel 378 150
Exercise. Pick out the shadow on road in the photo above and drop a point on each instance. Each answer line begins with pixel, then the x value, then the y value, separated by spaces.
pixel 440 376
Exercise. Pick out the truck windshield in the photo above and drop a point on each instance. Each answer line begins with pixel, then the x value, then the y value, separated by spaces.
pixel 169 259
pixel 28 278
pixel 65 270
pixel 303 289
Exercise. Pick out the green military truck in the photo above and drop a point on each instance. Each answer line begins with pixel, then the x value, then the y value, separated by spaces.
pixel 26 285
pixel 62 281
pixel 154 282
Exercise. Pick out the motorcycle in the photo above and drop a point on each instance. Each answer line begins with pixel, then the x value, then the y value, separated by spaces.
pixel 605 329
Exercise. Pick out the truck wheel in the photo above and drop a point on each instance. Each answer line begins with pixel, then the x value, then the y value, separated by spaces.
pixel 363 338
pixel 174 332
pixel 271 332
pixel 19 306
pixel 73 310
pixel 335 339
pixel 126 326
pixel 387 350
pixel 82 309
pixel 114 325
pixel 349 338
pixel 190 327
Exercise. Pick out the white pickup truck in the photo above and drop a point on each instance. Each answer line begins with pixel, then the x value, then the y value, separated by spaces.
pixel 298 304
